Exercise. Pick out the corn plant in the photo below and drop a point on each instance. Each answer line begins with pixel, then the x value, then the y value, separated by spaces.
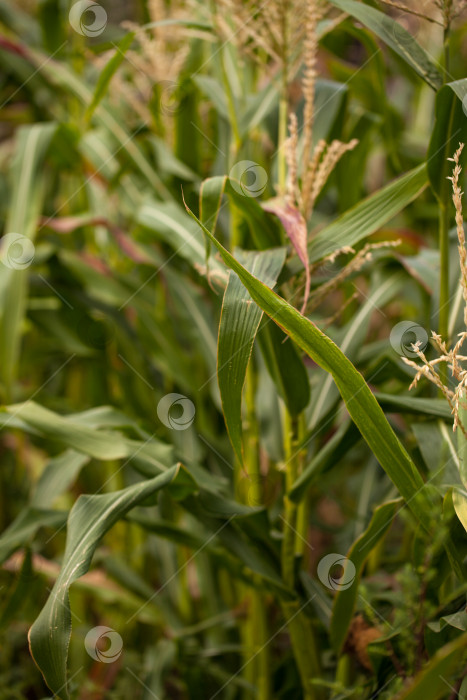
pixel 233 293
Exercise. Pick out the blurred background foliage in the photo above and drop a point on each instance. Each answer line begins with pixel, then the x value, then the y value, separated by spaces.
pixel 118 310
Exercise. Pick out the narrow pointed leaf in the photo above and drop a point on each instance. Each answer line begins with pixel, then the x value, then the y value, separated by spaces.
pixel 396 37
pixel 17 247
pixel 108 72
pixel 90 518
pixel 96 443
pixel 360 402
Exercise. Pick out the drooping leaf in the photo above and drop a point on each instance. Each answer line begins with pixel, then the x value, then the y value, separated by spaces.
pixel 90 518
pixel 393 403
pixel 98 444
pixel 396 37
pixel 360 402
pixel 350 339
pixel 167 220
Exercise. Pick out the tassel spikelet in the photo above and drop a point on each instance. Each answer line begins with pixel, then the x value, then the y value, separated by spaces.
pixel 160 58
pixel 453 357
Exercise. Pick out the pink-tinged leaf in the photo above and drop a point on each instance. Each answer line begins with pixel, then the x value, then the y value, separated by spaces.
pixel 295 227
pixel 68 224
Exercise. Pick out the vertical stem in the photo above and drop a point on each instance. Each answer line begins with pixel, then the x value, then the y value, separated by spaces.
pixel 302 513
pixel 255 633
pixel 299 625
pixel 444 214
pixel 290 508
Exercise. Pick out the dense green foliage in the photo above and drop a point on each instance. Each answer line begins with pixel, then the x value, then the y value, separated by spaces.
pixel 224 227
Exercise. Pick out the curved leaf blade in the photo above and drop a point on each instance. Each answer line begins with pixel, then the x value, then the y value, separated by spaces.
pixel 369 215
pixel 90 518
pixel 396 37
pixel 361 404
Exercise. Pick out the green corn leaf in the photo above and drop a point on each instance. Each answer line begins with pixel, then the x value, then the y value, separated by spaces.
pixel 360 402
pixel 450 128
pixel 22 530
pixel 57 477
pixel 167 220
pixel 263 228
pixel 346 597
pixel 459 500
pixel 98 444
pixel 17 246
pixel 90 518
pixel 213 90
pixel 239 324
pixel 210 200
pixel 350 340
pixel 108 72
pixel 259 106
pixel 396 37
pixel 393 403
